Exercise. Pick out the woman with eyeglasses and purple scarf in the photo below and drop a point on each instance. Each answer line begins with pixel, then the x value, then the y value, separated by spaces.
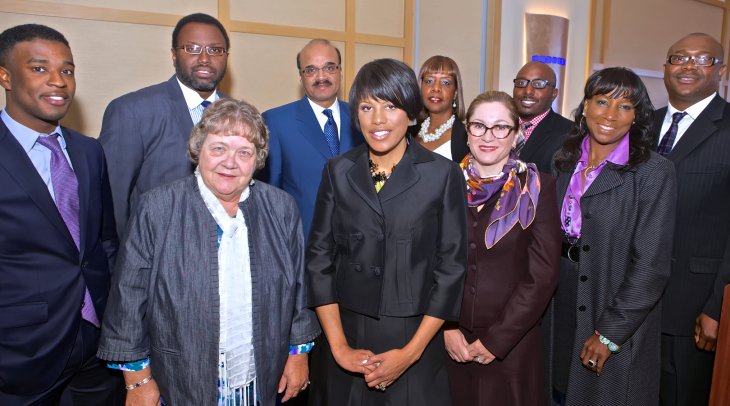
pixel 512 270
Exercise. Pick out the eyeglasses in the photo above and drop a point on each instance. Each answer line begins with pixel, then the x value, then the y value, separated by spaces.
pixel 312 70
pixel 195 49
pixel 536 83
pixel 702 60
pixel 499 131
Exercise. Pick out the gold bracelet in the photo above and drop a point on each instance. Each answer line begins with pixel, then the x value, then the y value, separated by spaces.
pixel 138 384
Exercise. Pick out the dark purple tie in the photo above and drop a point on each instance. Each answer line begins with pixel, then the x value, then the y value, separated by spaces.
pixel 667 143
pixel 66 192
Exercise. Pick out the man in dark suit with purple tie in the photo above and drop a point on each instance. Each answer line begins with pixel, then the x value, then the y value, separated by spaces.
pixel 57 234
pixel 694 133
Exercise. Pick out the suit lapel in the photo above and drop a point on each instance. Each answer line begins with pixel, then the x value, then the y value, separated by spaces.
pixel 561 186
pixel 361 180
pixel 19 166
pixel 699 131
pixel 609 178
pixel 346 136
pixel 309 128
pixel 403 177
pixel 179 107
pixel 537 138
pixel 81 170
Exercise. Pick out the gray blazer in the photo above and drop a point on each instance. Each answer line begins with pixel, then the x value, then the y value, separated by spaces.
pixel 164 299
pixel 145 138
pixel 627 230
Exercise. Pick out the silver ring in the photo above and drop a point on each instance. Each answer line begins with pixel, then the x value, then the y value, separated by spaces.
pixel 591 363
pixel 305 385
pixel 478 359
pixel 380 386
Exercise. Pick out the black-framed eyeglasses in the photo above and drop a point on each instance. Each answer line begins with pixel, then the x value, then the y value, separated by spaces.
pixel 195 49
pixel 702 60
pixel 499 131
pixel 313 70
pixel 536 83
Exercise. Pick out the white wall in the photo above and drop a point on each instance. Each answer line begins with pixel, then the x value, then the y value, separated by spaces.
pixel 513 37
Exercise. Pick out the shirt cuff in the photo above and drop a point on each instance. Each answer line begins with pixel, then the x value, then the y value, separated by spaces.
pixel 301 348
pixel 130 366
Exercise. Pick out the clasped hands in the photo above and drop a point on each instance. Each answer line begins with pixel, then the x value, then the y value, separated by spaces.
pixel 379 370
pixel 461 351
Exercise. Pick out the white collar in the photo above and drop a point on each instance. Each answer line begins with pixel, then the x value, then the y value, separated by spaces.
pixel 335 107
pixel 693 110
pixel 192 98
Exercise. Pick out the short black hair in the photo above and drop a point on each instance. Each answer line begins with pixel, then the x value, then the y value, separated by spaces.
pixel 615 82
pixel 26 32
pixel 199 18
pixel 389 80
pixel 323 42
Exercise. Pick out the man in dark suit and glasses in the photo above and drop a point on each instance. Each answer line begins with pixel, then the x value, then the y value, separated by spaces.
pixel 145 133
pixel 544 130
pixel 57 237
pixel 694 133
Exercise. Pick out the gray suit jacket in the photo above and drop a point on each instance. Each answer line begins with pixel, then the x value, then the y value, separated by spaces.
pixel 145 138
pixel 626 235
pixel 164 299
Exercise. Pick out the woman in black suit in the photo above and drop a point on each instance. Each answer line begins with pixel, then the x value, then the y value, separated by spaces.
pixel 617 198
pixel 387 252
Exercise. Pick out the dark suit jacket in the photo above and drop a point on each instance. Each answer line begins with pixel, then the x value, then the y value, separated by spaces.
pixel 145 138
pixel 42 274
pixel 400 252
pixel 298 152
pixel 459 149
pixel 546 139
pixel 701 254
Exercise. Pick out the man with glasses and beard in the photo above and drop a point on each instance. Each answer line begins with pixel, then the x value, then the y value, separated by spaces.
pixel 145 133
pixel 306 133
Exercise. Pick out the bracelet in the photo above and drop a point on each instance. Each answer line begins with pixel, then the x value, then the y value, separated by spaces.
pixel 138 384
pixel 613 347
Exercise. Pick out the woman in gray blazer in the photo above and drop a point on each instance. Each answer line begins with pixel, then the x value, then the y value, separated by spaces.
pixel 387 252
pixel 208 300
pixel 617 199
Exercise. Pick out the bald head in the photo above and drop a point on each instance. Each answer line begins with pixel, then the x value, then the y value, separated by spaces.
pixel 688 83
pixel 532 102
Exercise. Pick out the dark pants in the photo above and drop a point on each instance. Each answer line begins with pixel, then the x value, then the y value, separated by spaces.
pixel 84 381
pixel 686 372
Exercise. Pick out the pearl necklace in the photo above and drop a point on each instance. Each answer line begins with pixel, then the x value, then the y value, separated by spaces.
pixel 426 137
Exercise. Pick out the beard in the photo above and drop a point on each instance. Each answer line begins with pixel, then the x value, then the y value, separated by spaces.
pixel 206 85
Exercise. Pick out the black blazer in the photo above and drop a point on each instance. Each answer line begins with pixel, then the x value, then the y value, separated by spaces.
pixel 701 253
pixel 459 149
pixel 42 274
pixel 400 252
pixel 546 139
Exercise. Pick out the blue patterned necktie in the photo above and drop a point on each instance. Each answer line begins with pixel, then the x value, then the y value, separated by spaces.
pixel 667 143
pixel 330 133
pixel 66 192
pixel 205 104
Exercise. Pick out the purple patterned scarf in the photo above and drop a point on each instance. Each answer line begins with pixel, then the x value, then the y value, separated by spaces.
pixel 517 203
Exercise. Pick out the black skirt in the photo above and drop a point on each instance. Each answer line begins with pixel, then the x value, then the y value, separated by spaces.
pixel 424 383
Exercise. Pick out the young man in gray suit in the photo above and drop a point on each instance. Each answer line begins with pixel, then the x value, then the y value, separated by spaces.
pixel 145 133
pixel 694 133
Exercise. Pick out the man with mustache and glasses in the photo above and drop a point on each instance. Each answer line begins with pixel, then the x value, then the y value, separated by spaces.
pixel 306 133
pixel 145 133
pixel 543 129
pixel 694 133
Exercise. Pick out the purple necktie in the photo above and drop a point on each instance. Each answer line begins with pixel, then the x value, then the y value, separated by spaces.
pixel 330 133
pixel 66 191
pixel 667 143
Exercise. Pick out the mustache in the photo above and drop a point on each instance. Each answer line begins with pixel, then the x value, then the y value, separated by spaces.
pixel 322 82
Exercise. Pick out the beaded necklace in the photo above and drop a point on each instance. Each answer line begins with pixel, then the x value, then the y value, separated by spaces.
pixel 424 135
pixel 379 177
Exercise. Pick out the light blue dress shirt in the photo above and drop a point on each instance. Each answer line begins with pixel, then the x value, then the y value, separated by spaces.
pixel 38 154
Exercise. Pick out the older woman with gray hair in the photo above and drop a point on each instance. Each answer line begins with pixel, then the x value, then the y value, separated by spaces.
pixel 208 300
